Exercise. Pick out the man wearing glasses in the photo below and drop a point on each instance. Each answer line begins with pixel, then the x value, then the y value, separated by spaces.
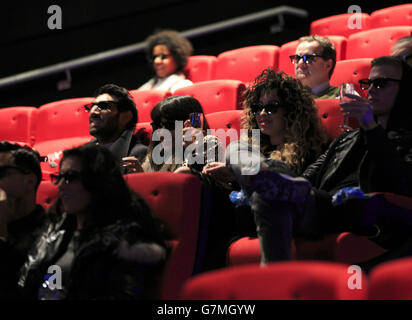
pixel 314 61
pixel 112 120
pixel 377 157
pixel 20 218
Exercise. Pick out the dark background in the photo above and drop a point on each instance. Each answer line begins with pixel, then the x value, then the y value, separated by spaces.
pixel 92 26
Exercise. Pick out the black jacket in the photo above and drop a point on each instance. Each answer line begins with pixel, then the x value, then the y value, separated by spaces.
pixel 114 262
pixel 386 162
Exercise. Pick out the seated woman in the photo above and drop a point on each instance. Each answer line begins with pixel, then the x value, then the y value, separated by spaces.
pixel 167 52
pixel 173 133
pixel 290 132
pixel 102 237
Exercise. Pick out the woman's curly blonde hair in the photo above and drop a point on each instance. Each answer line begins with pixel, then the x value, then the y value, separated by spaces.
pixel 305 135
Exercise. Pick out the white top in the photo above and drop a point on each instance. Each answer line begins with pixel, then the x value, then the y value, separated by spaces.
pixel 170 83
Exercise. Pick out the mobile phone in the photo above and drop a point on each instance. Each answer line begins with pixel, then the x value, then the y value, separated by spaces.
pixel 196 120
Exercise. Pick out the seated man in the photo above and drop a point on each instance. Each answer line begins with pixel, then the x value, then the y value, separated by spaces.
pixel 375 158
pixel 112 120
pixel 20 218
pixel 403 48
pixel 314 61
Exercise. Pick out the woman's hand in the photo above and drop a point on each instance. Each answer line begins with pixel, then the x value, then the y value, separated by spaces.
pixel 219 172
pixel 132 164
pixel 189 131
pixel 360 109
pixel 183 170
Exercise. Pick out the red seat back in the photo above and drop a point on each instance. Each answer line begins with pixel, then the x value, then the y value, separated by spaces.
pixel 145 100
pixel 62 124
pixel 352 71
pixel 229 121
pixel 400 15
pixel 17 124
pixel 340 25
pixel 331 117
pixel 246 63
pixel 215 95
pixel 375 42
pixel 277 281
pixel 175 199
pixel 200 68
pixel 46 194
pixel 391 281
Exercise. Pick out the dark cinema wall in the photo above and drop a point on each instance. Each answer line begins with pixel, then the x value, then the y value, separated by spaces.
pixel 90 27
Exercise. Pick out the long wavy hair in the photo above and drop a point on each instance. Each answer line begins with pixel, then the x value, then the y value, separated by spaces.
pixel 175 108
pixel 305 136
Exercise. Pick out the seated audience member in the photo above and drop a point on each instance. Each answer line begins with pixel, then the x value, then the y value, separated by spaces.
pixel 290 130
pixel 403 48
pixel 374 158
pixel 314 61
pixel 173 115
pixel 102 236
pixel 112 121
pixel 20 217
pixel 167 52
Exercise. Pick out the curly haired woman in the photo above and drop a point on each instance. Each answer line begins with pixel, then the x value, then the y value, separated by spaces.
pixel 290 136
pixel 167 52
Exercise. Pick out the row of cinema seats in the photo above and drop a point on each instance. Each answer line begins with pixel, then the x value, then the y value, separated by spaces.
pixel 245 63
pixel 64 124
pixel 354 36
pixel 303 280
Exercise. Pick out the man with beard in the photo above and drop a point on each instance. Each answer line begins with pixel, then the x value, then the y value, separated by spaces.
pixel 112 121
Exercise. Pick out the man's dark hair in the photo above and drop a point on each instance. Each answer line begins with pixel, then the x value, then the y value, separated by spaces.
pixel 123 100
pixel 24 157
pixel 180 48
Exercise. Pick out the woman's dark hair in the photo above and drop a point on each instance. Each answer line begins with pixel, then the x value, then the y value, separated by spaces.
pixel 111 197
pixel 180 48
pixel 174 108
pixel 399 118
pixel 123 100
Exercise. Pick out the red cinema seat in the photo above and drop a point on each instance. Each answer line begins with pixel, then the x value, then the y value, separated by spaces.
pixel 340 25
pixel 294 280
pixel 375 42
pixel 175 199
pixel 16 124
pixel 144 128
pixel 391 281
pixel 351 71
pixel 228 121
pixel 46 194
pixel 245 250
pixel 200 68
pixel 145 100
pixel 400 15
pixel 246 63
pixel 331 117
pixel 61 125
pixel 215 95
pixel 289 49
pixel 351 248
